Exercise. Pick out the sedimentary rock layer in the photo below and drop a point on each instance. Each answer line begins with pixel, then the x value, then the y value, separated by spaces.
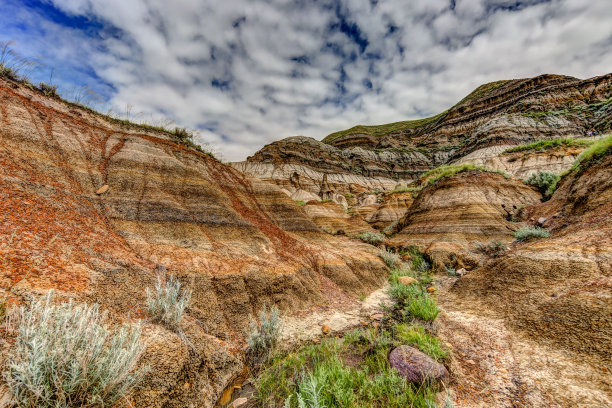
pixel 557 290
pixel 505 113
pixel 466 209
pixel 237 242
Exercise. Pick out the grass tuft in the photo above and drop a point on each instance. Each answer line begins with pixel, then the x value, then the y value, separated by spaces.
pixel 416 336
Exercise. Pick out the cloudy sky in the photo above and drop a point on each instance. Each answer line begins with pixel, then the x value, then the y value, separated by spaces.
pixel 248 72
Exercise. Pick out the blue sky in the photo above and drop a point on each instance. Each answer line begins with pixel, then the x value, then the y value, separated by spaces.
pixel 248 72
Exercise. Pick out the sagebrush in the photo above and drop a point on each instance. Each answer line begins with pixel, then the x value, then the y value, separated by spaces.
pixel 390 258
pixel 527 233
pixel 66 355
pixel 373 238
pixel 263 336
pixel 166 303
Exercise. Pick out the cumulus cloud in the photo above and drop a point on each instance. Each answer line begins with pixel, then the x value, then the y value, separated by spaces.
pixel 248 72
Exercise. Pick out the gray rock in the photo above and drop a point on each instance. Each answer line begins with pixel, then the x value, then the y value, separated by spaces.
pixel 415 366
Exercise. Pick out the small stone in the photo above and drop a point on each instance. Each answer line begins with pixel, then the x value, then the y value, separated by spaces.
pixel 102 189
pixel 431 289
pixel 240 402
pixel 407 257
pixel 542 220
pixel 460 272
pixel 325 329
pixel 406 280
pixel 472 362
pixel 377 316
pixel 416 366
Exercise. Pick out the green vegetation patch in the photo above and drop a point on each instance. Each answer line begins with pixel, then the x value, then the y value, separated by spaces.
pixel 594 152
pixel 354 371
pixel 381 130
pixel 544 145
pixel 545 182
pixel 528 233
pixel 432 176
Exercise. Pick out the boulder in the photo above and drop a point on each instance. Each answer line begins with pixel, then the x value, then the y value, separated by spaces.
pixel 416 366
pixel 406 280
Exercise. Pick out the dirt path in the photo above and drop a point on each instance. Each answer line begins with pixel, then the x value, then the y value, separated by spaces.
pixel 497 367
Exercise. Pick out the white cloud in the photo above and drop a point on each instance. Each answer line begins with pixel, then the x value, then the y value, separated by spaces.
pixel 258 70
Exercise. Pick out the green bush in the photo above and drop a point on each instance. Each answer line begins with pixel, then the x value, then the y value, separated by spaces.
pixel 595 151
pixel 527 233
pixel 263 336
pixel 544 181
pixel 373 238
pixel 390 258
pixel 166 303
pixel 65 355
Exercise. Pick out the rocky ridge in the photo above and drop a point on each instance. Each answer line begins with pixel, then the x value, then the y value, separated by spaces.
pixel 492 118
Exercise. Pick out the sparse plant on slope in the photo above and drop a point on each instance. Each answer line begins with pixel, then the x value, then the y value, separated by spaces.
pixel 544 181
pixel 166 303
pixel 595 151
pixel 12 66
pixel 390 229
pixel 65 356
pixel 48 89
pixel 434 175
pixel 527 233
pixel 373 238
pixel 263 336
pixel 493 248
pixel 390 258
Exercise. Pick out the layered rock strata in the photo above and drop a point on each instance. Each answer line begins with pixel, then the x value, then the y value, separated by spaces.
pixel 459 212
pixel 238 243
pixel 557 290
pixel 494 116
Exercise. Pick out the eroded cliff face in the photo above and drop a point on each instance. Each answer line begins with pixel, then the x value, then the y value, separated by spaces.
pixel 555 291
pixel 455 214
pixel 476 130
pixel 239 243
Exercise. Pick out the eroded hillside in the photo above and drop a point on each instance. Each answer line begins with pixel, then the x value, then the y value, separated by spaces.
pixel 97 210
pixel 477 130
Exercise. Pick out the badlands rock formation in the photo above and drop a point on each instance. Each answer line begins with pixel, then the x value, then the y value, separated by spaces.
pixel 239 243
pixel 462 211
pixel 493 117
pixel 554 294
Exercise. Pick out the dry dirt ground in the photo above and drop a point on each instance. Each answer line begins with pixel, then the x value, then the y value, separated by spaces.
pixel 493 366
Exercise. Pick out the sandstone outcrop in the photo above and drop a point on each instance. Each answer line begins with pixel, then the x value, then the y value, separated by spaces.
pixel 457 213
pixel 238 243
pixel 333 219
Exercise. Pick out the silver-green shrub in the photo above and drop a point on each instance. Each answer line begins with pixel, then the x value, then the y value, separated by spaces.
pixel 390 258
pixel 65 356
pixel 166 303
pixel 526 233
pixel 263 336
pixel 373 238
